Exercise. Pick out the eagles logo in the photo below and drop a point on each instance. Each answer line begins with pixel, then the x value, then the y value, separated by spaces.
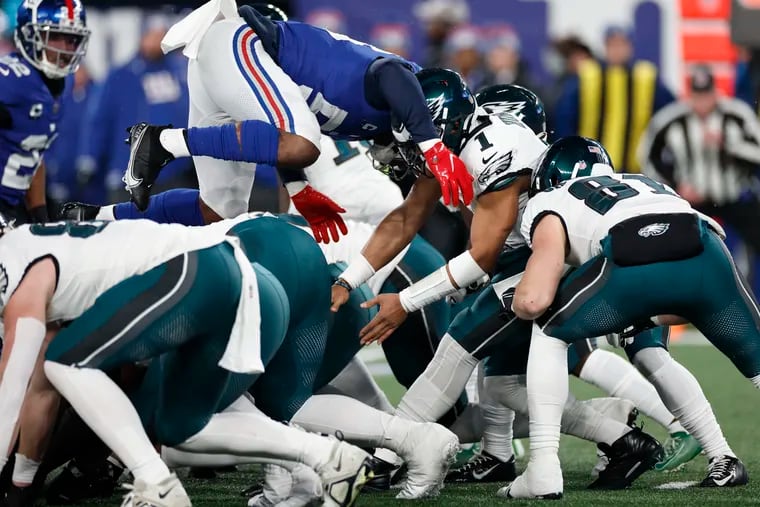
pixel 3 279
pixel 495 167
pixel 435 106
pixel 653 230
pixel 513 108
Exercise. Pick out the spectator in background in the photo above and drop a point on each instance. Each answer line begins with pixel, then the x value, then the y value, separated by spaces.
pixel 69 175
pixel 562 59
pixel 613 100
pixel 440 18
pixel 503 63
pixel 329 19
pixel 394 38
pixel 707 147
pixel 115 37
pixel 152 87
pixel 463 54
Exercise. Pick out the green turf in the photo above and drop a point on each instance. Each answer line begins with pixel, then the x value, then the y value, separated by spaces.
pixel 735 401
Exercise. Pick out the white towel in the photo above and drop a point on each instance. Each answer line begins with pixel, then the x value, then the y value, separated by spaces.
pixel 243 352
pixel 189 31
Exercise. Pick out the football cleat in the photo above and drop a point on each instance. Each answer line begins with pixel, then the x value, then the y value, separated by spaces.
pixel 680 448
pixel 344 475
pixel 541 481
pixel 146 158
pixel 19 497
pixel 428 450
pixel 384 474
pixel 483 468
pixel 73 484
pixel 629 456
pixel 725 472
pixel 167 493
pixel 78 211
pixel 283 488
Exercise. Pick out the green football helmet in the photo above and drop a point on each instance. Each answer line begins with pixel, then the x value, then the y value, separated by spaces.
pixel 507 99
pixel 270 11
pixel 449 101
pixel 568 158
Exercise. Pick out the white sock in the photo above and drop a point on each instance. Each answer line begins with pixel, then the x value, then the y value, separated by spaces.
pixel 502 397
pixel 547 392
pixel 617 377
pixel 682 394
pixel 440 385
pixel 175 458
pixel 173 141
pixel 468 427
pixel 360 424
pixel 106 213
pixel 756 381
pixel 356 381
pixel 581 420
pixel 251 434
pixel 108 412
pixel 24 470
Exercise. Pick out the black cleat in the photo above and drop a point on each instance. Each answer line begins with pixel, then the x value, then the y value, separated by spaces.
pixel 73 485
pixel 78 211
pixel 146 158
pixel 483 468
pixel 19 497
pixel 725 472
pixel 629 456
pixel 383 478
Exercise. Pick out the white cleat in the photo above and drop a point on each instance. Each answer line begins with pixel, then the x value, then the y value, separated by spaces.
pixel 428 450
pixel 167 493
pixel 300 488
pixel 344 475
pixel 545 484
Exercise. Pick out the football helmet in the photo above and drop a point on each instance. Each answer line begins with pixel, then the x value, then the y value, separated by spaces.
pixel 449 101
pixel 568 158
pixel 507 99
pixel 52 35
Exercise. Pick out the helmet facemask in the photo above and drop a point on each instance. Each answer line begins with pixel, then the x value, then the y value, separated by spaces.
pixel 49 40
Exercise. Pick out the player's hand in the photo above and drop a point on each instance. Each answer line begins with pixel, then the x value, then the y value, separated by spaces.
pixel 451 174
pixel 387 320
pixel 322 213
pixel 340 296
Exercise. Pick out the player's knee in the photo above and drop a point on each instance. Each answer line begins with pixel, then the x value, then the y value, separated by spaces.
pixel 296 152
pixel 649 360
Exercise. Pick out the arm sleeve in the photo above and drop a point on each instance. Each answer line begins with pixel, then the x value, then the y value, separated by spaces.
pixel 391 84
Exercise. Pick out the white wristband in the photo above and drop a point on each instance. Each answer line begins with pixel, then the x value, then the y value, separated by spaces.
pixel 433 287
pixel 464 270
pixel 426 145
pixel 358 272
pixel 294 187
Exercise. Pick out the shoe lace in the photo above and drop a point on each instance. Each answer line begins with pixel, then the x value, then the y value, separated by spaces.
pixel 719 468
pixel 671 446
pixel 475 463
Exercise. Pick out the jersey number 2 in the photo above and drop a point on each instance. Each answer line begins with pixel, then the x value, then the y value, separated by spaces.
pixel 20 168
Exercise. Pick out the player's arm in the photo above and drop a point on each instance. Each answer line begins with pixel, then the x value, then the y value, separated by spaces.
pixel 35 196
pixel 538 286
pixel 391 236
pixel 24 319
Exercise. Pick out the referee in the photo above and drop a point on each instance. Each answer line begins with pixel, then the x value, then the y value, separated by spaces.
pixel 707 147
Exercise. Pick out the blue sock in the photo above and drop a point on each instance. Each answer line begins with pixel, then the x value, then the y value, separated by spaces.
pixel 259 142
pixel 177 206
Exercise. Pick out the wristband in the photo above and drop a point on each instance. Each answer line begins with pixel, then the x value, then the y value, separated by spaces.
pixel 358 272
pixel 464 270
pixel 433 287
pixel 342 283
pixel 294 187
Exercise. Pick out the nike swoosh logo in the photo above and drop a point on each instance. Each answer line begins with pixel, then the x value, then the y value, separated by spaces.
pixel 724 481
pixel 163 495
pixel 480 476
pixel 487 160
pixel 129 178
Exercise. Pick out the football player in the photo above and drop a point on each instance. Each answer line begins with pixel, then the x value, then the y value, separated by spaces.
pixel 284 83
pixel 51 40
pixel 194 299
pixel 632 239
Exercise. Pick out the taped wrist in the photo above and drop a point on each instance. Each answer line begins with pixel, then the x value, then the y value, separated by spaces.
pixel 465 271
pixel 358 272
pixel 259 142
pixel 433 287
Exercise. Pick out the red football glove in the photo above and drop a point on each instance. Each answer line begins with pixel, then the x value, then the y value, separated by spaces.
pixel 322 214
pixel 451 174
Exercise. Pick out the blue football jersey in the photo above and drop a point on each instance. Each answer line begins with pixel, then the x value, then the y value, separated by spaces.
pixel 330 70
pixel 35 113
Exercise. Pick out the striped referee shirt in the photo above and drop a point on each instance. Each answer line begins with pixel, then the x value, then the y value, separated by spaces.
pixel 673 149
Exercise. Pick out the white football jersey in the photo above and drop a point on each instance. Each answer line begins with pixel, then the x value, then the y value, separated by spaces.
pixel 496 153
pixel 589 207
pixel 92 257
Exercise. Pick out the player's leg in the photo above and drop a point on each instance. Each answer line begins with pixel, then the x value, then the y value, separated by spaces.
pixel 356 381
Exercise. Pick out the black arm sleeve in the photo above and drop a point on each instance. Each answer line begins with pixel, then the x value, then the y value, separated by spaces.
pixel 391 84
pixel 6 122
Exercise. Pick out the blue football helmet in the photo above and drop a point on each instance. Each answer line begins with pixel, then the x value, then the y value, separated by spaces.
pixel 52 35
